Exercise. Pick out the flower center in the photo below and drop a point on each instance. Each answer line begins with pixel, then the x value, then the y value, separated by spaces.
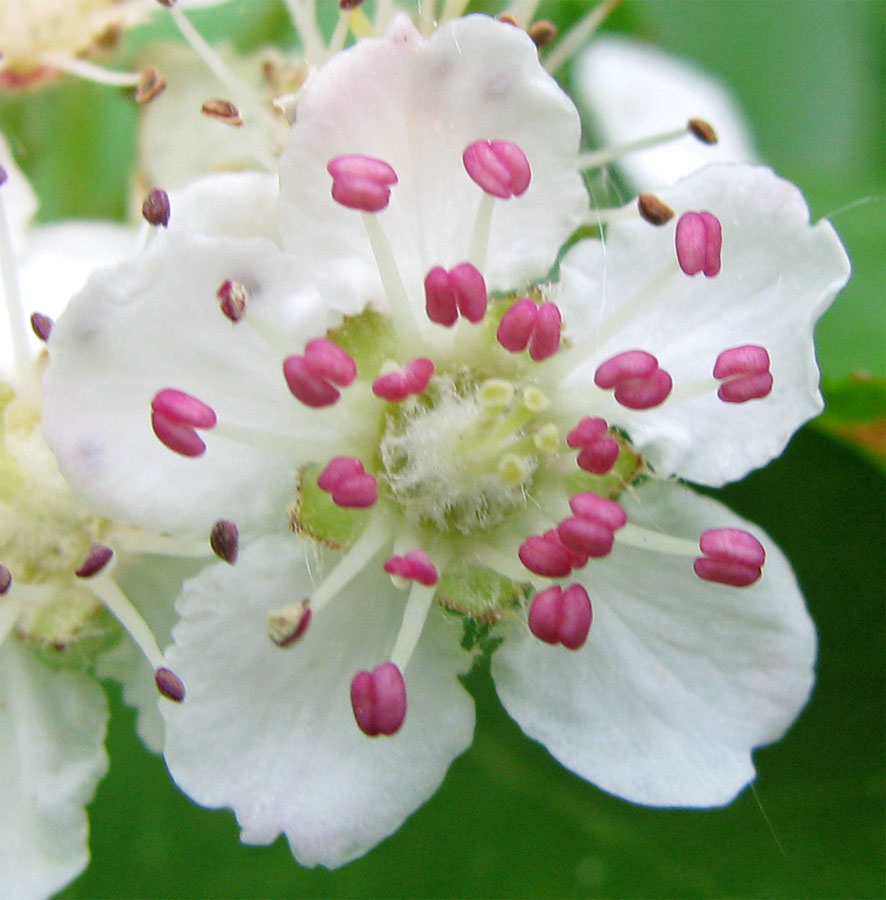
pixel 461 457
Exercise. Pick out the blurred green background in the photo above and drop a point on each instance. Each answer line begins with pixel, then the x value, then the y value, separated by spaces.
pixel 509 821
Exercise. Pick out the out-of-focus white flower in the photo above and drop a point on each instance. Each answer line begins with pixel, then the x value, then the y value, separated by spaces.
pixel 463 450
pixel 629 90
pixel 55 581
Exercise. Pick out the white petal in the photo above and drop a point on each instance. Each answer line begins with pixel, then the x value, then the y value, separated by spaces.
pixel 417 104
pixel 155 323
pixel 270 731
pixel 228 205
pixel 170 162
pixel 631 90
pixel 679 679
pixel 779 275
pixel 52 730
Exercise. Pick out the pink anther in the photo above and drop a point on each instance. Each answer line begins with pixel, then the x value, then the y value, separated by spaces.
pixel 595 508
pixel 378 699
pixel 349 483
pixel 361 182
pixel 561 617
pixel 97 558
pixel 517 325
pixel 532 325
pixel 731 556
pixel 592 538
pixel 577 559
pixel 414 566
pixel 545 340
pixel 638 381
pixel 744 372
pixel 312 378
pixel 699 238
pixel 174 417
pixel 499 167
pixel 461 290
pixel 545 557
pixel 413 378
pixel 232 297
pixel 599 451
pixel 5 580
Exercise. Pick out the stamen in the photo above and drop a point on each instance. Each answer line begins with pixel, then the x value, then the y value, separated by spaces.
pixel 15 310
pixel 155 209
pixel 378 699
pixel 461 290
pixel 591 537
pixel 108 591
pixel 374 536
pixel 174 417
pixel 361 182
pixel 544 556
pixel 413 378
pixel 579 34
pixel 542 33
pixel 223 111
pixel 349 483
pixel 699 238
pixel 311 377
pixel 545 340
pixel 41 326
pixel 500 168
pixel 703 131
pixel 654 210
pixel 598 158
pixel 746 370
pixel 304 16
pixel 97 558
pixel 224 539
pixel 413 566
pixel 595 508
pixel 561 617
pixel 5 580
pixel 287 624
pixel 150 84
pixel 599 451
pixel 89 71
pixel 577 559
pixel 232 298
pixel 169 684
pixel 732 557
pixel 517 325
pixel 638 381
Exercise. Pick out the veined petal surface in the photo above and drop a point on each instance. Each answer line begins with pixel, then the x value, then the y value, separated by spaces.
pixel 269 731
pixel 680 679
pixel 417 104
pixel 779 275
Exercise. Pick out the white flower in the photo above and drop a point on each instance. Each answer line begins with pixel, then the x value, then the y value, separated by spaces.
pixel 434 422
pixel 53 627
pixel 629 89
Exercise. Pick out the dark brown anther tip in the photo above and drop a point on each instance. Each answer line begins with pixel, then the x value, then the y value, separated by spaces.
pixel 41 326
pixel 703 131
pixel 542 33
pixel 225 540
pixel 155 209
pixel 169 684
pixel 5 580
pixel 98 557
pixel 222 111
pixel 654 210
pixel 150 84
pixel 349 4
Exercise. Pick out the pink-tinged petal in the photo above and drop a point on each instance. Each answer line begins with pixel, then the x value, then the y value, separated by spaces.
pixel 417 103
pixel 679 679
pixel 253 707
